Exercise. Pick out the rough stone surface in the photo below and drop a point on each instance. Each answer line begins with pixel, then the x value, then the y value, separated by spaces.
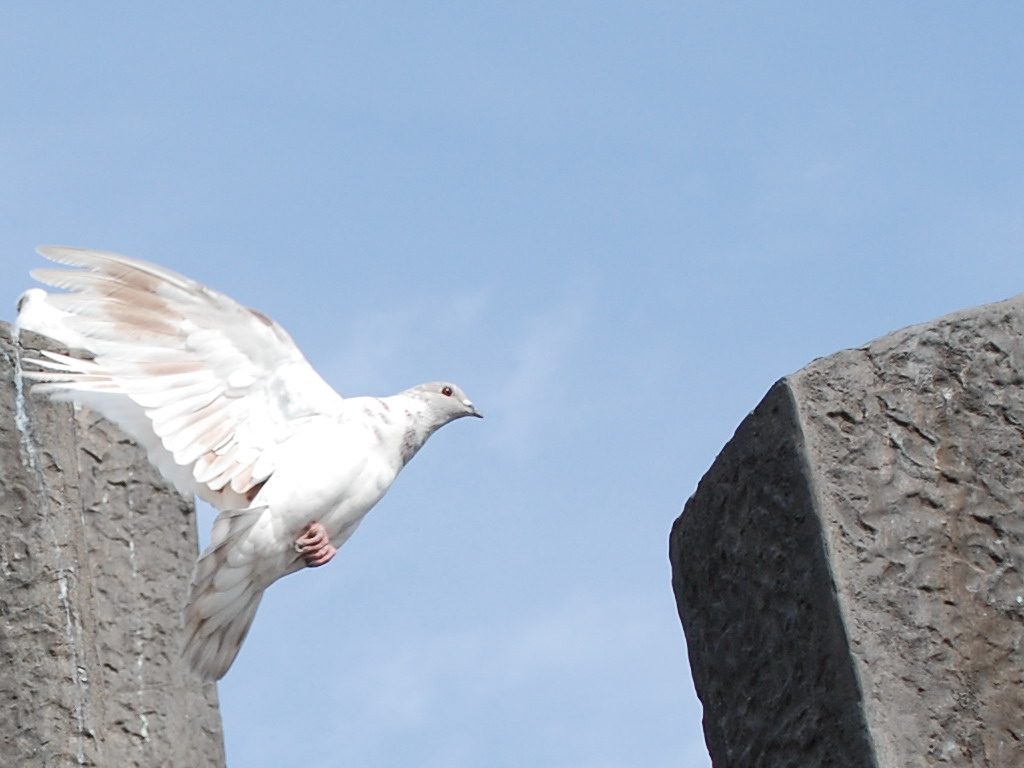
pixel 766 642
pixel 96 552
pixel 850 572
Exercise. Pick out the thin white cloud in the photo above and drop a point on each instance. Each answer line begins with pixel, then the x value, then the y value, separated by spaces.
pixel 535 388
pixel 500 661
pixel 375 347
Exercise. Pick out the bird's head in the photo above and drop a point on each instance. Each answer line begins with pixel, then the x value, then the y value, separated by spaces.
pixel 445 401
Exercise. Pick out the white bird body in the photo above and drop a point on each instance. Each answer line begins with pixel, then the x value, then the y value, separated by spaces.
pixel 227 408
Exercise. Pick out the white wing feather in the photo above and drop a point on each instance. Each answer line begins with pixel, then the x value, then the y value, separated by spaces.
pixel 209 387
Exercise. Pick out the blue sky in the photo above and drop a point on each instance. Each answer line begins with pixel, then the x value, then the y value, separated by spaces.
pixel 615 225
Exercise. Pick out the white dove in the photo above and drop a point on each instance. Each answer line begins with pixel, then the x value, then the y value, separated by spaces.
pixel 230 410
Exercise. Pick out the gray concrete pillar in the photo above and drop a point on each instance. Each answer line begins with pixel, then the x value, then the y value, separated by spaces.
pixel 850 571
pixel 96 552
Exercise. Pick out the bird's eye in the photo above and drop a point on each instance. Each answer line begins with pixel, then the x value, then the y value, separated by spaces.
pixel 446 391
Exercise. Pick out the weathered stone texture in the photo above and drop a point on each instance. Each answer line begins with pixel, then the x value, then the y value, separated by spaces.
pixel 849 572
pixel 96 551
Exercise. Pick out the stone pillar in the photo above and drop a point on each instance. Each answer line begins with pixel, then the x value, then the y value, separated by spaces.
pixel 850 571
pixel 96 552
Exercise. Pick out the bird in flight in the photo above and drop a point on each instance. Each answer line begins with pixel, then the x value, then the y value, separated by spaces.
pixel 228 409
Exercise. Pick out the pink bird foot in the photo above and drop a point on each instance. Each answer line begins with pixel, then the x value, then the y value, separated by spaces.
pixel 314 545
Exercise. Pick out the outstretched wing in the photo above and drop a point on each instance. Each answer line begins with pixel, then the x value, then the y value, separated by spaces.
pixel 211 388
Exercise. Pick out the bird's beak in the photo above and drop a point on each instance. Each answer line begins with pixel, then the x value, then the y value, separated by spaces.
pixel 473 411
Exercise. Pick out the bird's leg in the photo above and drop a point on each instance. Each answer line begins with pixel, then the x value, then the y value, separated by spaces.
pixel 314 545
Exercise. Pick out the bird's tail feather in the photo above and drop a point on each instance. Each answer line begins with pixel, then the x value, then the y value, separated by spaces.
pixel 224 596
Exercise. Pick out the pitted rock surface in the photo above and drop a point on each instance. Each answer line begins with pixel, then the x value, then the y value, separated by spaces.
pixel 855 556
pixel 96 555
